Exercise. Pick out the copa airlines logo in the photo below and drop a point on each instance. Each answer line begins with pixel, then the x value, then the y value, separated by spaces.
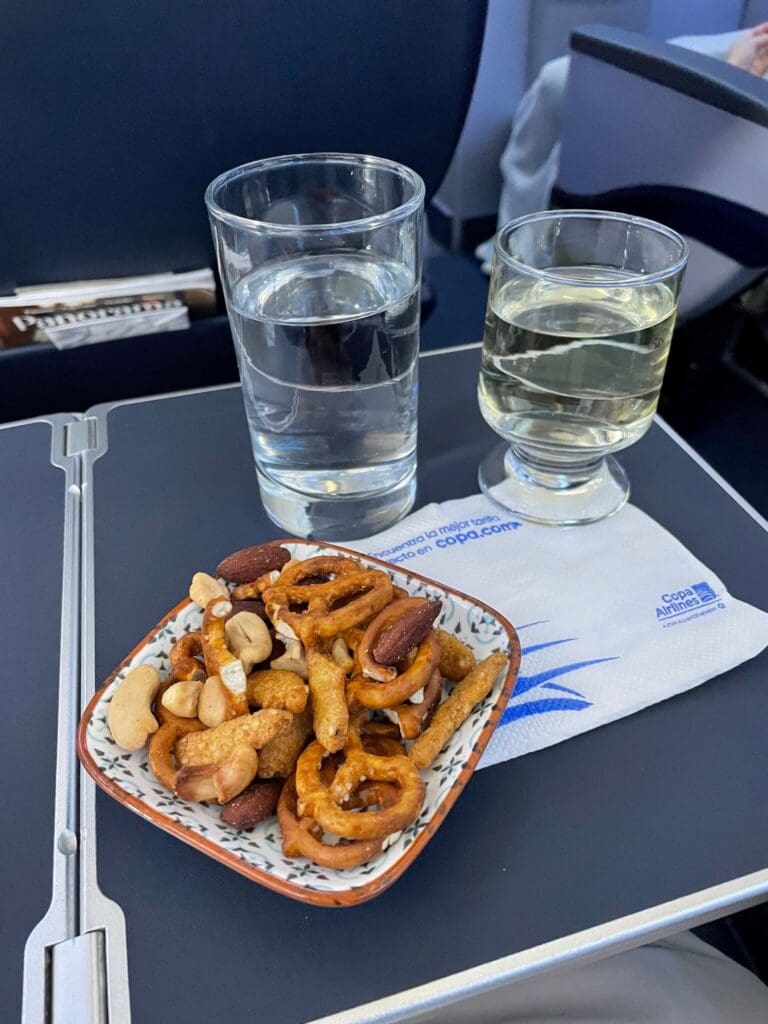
pixel 688 602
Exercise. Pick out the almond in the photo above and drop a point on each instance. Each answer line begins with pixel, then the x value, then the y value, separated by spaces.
pixel 248 564
pixel 255 606
pixel 257 802
pixel 405 634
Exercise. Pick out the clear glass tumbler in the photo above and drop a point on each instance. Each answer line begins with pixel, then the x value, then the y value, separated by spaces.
pixel 581 309
pixel 320 259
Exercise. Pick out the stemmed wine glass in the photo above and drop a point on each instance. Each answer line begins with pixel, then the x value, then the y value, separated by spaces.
pixel 581 309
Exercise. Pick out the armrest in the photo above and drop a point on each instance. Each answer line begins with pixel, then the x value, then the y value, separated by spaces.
pixel 702 78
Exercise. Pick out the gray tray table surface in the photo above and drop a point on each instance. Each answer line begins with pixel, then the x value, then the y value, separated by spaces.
pixel 657 806
pixel 32 552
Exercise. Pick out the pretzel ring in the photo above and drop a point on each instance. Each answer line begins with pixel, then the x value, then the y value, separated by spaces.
pixel 382 738
pixel 252 591
pixel 414 718
pixel 161 744
pixel 332 566
pixel 290 574
pixel 323 803
pixel 371 668
pixel 302 837
pixel 362 591
pixel 219 660
pixel 185 655
pixel 396 690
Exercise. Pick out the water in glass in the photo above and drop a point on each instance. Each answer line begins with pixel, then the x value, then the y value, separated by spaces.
pixel 327 347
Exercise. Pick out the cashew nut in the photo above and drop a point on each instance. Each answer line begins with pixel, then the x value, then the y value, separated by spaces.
pixel 182 698
pixel 340 654
pixel 214 705
pixel 292 660
pixel 204 588
pixel 248 639
pixel 130 717
pixel 220 782
pixel 251 657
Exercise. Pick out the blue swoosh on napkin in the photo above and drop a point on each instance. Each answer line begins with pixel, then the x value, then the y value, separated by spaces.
pixel 525 683
pixel 575 702
pixel 540 707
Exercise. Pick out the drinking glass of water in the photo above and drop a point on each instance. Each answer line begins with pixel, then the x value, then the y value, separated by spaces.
pixel 581 309
pixel 320 258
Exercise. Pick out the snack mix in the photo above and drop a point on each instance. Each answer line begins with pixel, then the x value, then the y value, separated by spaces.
pixel 314 689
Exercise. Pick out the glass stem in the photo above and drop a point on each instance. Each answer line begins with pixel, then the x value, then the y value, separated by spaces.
pixel 554 474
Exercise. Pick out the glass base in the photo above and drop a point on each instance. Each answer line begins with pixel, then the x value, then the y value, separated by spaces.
pixel 561 494
pixel 336 518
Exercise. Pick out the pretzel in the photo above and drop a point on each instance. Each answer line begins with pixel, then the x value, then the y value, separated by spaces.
pixel 352 638
pixel 456 708
pixel 219 660
pixel 456 659
pixel 324 803
pixel 327 684
pixel 253 590
pixel 162 744
pixel 185 655
pixel 310 570
pixel 353 596
pixel 369 666
pixel 302 837
pixel 382 738
pixel 275 688
pixel 413 718
pixel 397 689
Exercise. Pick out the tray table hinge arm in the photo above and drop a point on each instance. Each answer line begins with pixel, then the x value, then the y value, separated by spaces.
pixel 81 436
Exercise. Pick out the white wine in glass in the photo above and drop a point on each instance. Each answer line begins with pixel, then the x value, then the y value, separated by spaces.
pixel 573 361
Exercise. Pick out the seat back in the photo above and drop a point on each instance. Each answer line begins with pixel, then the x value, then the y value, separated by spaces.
pixel 117 115
pixel 655 130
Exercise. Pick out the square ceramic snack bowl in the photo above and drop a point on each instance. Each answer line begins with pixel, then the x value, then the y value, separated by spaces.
pixel 257 853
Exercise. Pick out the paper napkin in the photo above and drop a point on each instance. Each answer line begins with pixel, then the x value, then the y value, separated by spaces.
pixel 612 617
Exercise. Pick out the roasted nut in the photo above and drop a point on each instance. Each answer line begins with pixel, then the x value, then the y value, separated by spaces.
pixel 340 654
pixel 256 803
pixel 183 697
pixel 204 588
pixel 130 717
pixel 220 782
pixel 254 605
pixel 249 563
pixel 248 638
pixel 405 634
pixel 214 705
pixel 246 629
pixel 251 659
pixel 212 746
pixel 234 774
pixel 293 659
